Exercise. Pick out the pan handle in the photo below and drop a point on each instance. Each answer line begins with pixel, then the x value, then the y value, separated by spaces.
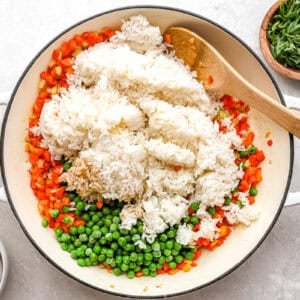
pixel 293 198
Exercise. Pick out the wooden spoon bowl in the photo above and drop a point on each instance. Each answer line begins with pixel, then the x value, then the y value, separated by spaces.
pixel 206 61
pixel 265 46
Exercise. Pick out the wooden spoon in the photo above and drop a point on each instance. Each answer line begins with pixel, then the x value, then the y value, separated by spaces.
pixel 207 61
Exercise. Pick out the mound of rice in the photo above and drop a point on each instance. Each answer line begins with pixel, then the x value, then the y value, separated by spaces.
pixel 138 127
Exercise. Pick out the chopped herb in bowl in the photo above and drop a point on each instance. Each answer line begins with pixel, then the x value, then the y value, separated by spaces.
pixel 283 33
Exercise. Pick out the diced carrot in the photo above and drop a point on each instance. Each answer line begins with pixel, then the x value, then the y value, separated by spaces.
pixel 167 38
pixel 210 79
pixel 161 271
pixel 251 200
pixel 99 204
pixel 139 274
pixel 248 140
pixel 166 266
pixel 172 271
pixel 187 267
pixel 243 186
pixel 177 168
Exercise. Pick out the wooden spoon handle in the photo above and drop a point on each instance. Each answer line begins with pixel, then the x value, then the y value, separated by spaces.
pixel 242 89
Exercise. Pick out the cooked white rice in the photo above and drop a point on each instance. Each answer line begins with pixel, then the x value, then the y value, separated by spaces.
pixel 138 127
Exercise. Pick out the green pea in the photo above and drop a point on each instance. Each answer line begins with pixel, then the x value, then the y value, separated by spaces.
pixel 67 220
pixel 186 219
pixel 175 252
pixel 153 273
pixel 152 267
pixel 78 212
pixel 171 233
pixel 172 265
pixel 178 259
pixel 140 229
pixel 116 235
pixel 96 234
pixel 148 256
pixel 253 191
pixel 114 246
pixel 167 252
pixel 58 232
pixel 81 229
pixel 130 274
pixel 116 220
pixel 93 207
pixel 117 271
pixel 96 227
pixel 109 237
pixel 93 257
pixel 156 253
pixel 88 262
pixel 71 247
pixel 73 230
pixel 146 271
pixel 77 199
pixel 67 166
pixel 110 253
pixel 88 251
pixel 119 259
pixel 122 241
pixel 169 244
pixel 83 237
pixel 64 246
pixel 44 223
pixel 124 267
pixel 162 246
pixel 195 206
pixel 140 257
pixel 123 231
pixel 189 255
pixel 80 205
pixel 156 246
pixel 81 262
pixel 133 231
pixel 88 230
pixel 101 257
pixel 97 249
pixel 252 150
pixel 55 213
pixel 163 237
pixel 74 254
pixel 211 210
pixel 113 227
pixel 169 258
pixel 65 237
pixel 105 210
pixel 102 240
pixel 132 265
pixel 92 240
pixel 71 195
pixel 147 262
pixel 133 256
pixel 243 154
pixel 77 243
pixel 95 218
pixel 177 246
pixel 107 222
pixel 239 203
pixel 104 230
pixel 86 217
pixel 162 260
pixel 194 220
pixel 129 247
pixel 90 224
pixel 136 237
pixel 227 201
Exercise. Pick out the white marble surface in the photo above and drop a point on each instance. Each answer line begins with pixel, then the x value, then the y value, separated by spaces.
pixel 25 26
